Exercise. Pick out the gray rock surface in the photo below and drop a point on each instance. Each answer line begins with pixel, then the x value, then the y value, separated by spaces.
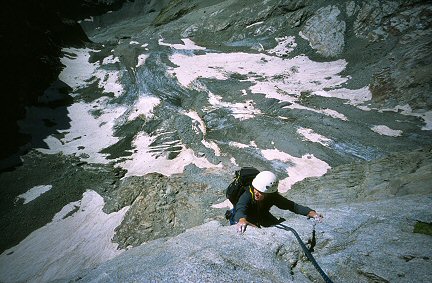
pixel 359 65
pixel 325 33
pixel 210 252
pixel 367 235
pixel 404 29
pixel 160 206
pixel 375 207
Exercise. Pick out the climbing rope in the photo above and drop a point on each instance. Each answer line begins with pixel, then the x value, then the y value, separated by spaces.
pixel 306 251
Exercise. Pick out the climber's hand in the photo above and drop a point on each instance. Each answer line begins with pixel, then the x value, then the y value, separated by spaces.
pixel 241 225
pixel 318 217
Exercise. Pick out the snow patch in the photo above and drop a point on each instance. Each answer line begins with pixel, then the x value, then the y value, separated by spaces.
pixel 212 145
pixel 354 96
pixel 200 127
pixel 144 107
pixel 34 193
pixel 187 45
pixel 241 111
pixel 144 161
pixel 310 135
pixel 242 145
pixel 306 166
pixel 386 131
pixel 225 204
pixel 65 245
pixel 282 79
pixel 233 161
pixel 110 60
pixel 109 82
pixel 87 135
pixel 292 76
pixel 285 45
pixel 327 111
pixel 254 24
pixel 77 71
pixel 141 60
pixel 238 145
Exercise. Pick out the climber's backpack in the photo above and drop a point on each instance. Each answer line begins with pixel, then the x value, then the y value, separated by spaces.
pixel 243 178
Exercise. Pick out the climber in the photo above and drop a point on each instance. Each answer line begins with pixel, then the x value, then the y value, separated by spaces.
pixel 253 207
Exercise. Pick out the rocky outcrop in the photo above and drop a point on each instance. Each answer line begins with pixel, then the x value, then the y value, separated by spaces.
pixel 325 22
pixel 399 174
pixel 403 31
pixel 370 212
pixel 160 206
pixel 210 253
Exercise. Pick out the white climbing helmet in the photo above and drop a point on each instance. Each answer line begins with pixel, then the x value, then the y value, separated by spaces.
pixel 265 182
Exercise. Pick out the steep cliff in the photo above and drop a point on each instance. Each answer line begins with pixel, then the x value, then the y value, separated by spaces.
pixel 147 122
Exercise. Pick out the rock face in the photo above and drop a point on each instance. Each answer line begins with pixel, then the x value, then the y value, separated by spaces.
pixel 404 27
pixel 325 22
pixel 367 235
pixel 159 207
pixel 382 202
pixel 159 102
pixel 216 253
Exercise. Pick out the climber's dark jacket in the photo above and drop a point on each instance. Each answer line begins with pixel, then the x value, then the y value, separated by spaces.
pixel 258 213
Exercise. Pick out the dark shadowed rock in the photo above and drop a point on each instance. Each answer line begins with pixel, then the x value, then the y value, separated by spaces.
pixel 33 33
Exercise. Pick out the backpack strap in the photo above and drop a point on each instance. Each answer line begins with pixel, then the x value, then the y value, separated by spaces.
pixel 252 193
